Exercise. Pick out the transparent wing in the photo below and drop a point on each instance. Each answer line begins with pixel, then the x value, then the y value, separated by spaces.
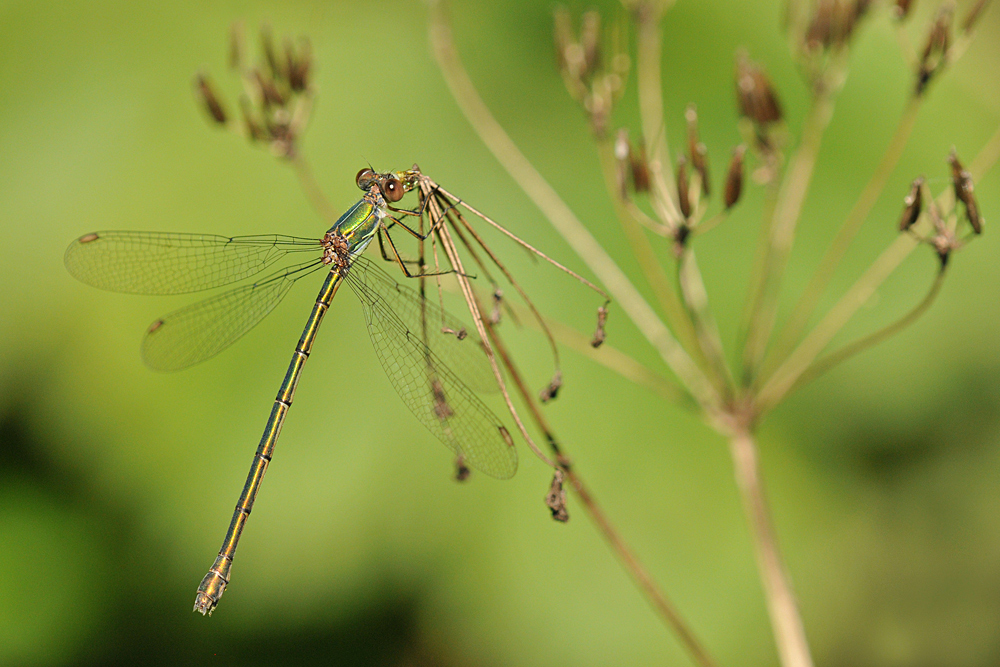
pixel 167 263
pixel 439 328
pixel 430 389
pixel 200 331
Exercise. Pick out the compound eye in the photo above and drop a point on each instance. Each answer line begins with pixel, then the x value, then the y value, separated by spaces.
pixel 365 178
pixel 392 190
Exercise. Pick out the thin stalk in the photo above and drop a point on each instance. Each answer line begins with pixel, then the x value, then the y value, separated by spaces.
pixel 641 577
pixel 787 212
pixel 656 597
pixel 619 362
pixel 311 188
pixel 710 224
pixel 806 305
pixel 650 86
pixel 757 271
pixel 987 157
pixel 787 374
pixel 824 364
pixel 560 215
pixel 677 317
pixel 786 622
pixel 696 299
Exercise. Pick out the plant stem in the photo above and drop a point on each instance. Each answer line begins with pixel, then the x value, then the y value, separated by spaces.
pixel 788 373
pixel 806 305
pixel 630 562
pixel 824 364
pixel 788 209
pixel 311 188
pixel 784 378
pixel 789 635
pixel 987 157
pixel 696 300
pixel 677 318
pixel 560 215
pixel 642 579
pixel 650 87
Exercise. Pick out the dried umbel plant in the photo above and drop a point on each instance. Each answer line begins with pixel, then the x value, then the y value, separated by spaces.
pixel 663 195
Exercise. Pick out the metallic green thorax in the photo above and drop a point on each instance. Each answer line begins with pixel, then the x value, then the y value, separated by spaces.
pixel 356 228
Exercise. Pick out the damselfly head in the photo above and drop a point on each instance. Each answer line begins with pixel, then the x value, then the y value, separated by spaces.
pixel 392 185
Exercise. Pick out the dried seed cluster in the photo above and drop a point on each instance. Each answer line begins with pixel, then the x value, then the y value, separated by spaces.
pixel 945 237
pixel 593 79
pixel 277 94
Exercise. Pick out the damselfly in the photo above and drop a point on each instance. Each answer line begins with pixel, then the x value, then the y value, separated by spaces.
pixel 420 346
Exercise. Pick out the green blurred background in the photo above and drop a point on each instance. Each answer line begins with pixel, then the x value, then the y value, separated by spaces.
pixel 116 483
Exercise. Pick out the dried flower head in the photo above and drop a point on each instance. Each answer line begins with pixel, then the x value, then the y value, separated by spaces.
pixel 275 107
pixel 755 94
pixel 594 80
pixel 633 166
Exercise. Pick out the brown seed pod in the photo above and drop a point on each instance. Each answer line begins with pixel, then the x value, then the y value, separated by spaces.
pixel 734 177
pixel 913 205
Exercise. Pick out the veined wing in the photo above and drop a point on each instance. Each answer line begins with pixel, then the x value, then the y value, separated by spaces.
pixel 168 263
pixel 429 388
pixel 463 353
pixel 200 331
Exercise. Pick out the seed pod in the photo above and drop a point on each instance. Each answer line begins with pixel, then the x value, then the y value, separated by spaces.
pixel 268 91
pixel 734 177
pixel 562 29
pixel 755 94
pixel 270 57
pixel 962 180
pixel 697 152
pixel 833 22
pixel 210 100
pixel 913 205
pixel 691 116
pixel 254 129
pixel 298 78
pixel 622 162
pixel 640 168
pixel 683 194
pixel 935 48
pixel 699 160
